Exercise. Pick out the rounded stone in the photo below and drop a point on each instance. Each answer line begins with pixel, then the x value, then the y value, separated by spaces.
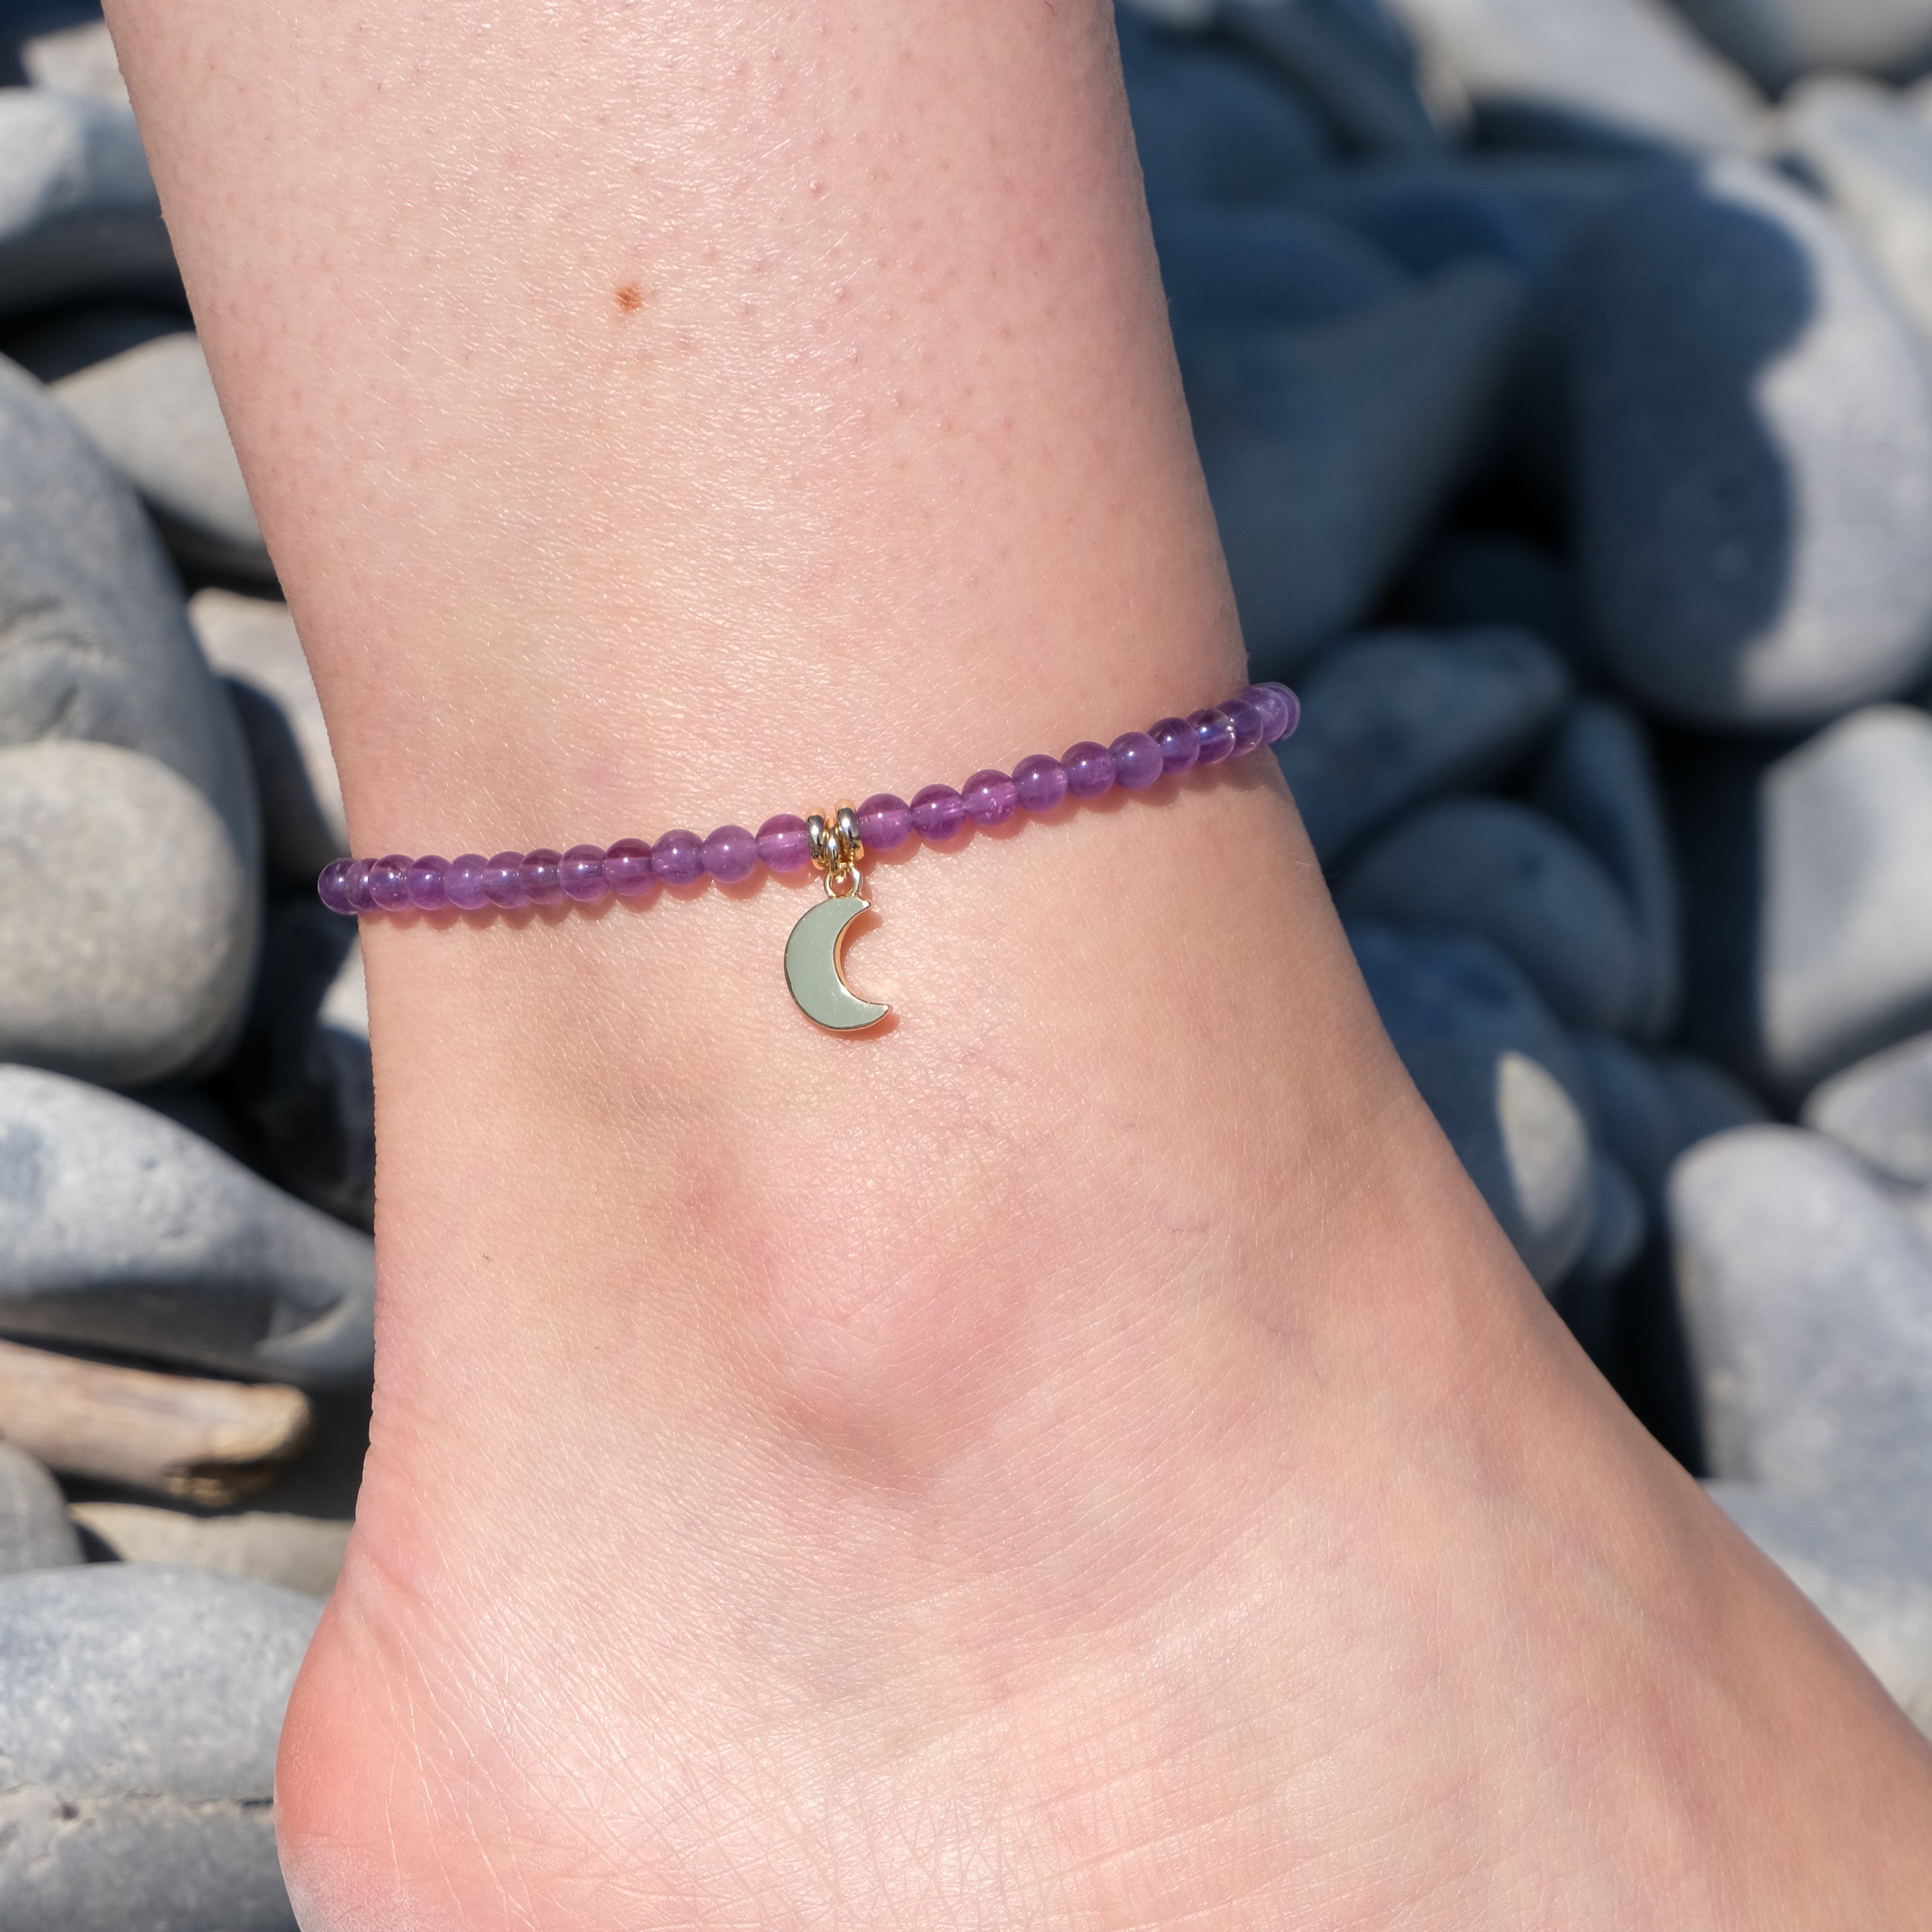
pixel 784 843
pixel 1138 762
pixel 463 880
pixel 730 854
pixel 541 884
pixel 332 887
pixel 428 892
pixel 503 880
pixel 34 1531
pixel 627 868
pixel 389 886
pixel 1179 747
pixel 1214 732
pixel 1041 782
pixel 581 875
pixel 991 798
pixel 1090 770
pixel 678 858
pixel 937 813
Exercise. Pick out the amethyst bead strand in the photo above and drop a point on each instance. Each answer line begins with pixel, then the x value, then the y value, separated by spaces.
pixel 729 854
pixel 1214 732
pixel 428 891
pixel 991 798
pixel 678 858
pixel 333 887
pixel 1090 770
pixel 503 880
pixel 884 822
pixel 539 873
pixel 784 843
pixel 463 880
pixel 1137 760
pixel 581 875
pixel 1179 747
pixel 1040 783
pixel 937 813
pixel 627 868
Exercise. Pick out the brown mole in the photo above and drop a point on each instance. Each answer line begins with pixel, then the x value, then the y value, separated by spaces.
pixel 630 298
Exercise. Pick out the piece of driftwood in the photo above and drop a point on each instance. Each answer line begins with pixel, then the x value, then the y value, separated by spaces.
pixel 207 1442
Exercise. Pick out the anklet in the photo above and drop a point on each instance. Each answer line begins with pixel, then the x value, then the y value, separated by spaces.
pixel 832 845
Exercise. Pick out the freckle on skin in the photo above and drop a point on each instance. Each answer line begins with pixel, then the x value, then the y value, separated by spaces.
pixel 630 298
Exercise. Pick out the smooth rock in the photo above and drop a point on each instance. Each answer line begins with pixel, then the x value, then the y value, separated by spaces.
pixel 1619 74
pixel 1394 717
pixel 1873 155
pixel 1777 40
pixel 1496 869
pixel 1881 1111
pixel 303 1085
pixel 128 918
pixel 1754 439
pixel 152 412
pixel 1863 1559
pixel 1619 1226
pixel 1810 886
pixel 79 59
pixel 97 642
pixel 79 215
pixel 1209 124
pixel 34 1531
pixel 51 345
pixel 1488 579
pixel 1650 1107
pixel 1328 451
pixel 1807 1296
pixel 1598 781
pixel 140 1711
pixel 251 642
pixel 296 1552
pixel 1500 1078
pixel 1267 267
pixel 1709 1100
pixel 120 1229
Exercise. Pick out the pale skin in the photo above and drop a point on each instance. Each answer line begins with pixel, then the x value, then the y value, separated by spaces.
pixel 1083 1457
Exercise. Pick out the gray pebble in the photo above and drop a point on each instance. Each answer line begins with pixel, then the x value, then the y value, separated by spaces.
pixel 295 1552
pixel 1499 1076
pixel 120 1229
pixel 152 412
pixel 34 1531
pixel 1598 781
pixel 127 919
pixel 1489 580
pixel 1881 1110
pixel 76 60
pixel 1753 454
pixel 1619 1226
pixel 251 642
pixel 1328 451
pixel 1267 267
pixel 1708 1099
pixel 1650 1107
pixel 1807 1296
pixel 98 645
pixel 1873 155
pixel 140 1711
pixel 1777 40
pixel 1496 869
pixel 49 346
pixel 1583 74
pixel 1394 717
pixel 1862 1557
pixel 79 215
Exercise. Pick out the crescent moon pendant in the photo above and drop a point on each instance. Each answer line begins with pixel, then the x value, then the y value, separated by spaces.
pixel 812 956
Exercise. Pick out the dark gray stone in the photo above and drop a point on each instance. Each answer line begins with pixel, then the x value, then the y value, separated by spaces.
pixel 1586 74
pixel 1619 1226
pixel 49 346
pixel 1267 267
pixel 1496 869
pixel 94 641
pixel 1777 40
pixel 1501 1078
pixel 1709 1100
pixel 252 642
pixel 151 411
pixel 34 1531
pixel 1753 456
pixel 1873 155
pixel 1650 1107
pixel 127 919
pixel 1597 781
pixel 140 1711
pixel 79 215
pixel 120 1229
pixel 1881 1110
pixel 1863 1558
pixel 1489 580
pixel 1328 451
pixel 1807 1295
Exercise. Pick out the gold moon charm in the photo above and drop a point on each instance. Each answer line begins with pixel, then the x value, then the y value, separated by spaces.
pixel 812 956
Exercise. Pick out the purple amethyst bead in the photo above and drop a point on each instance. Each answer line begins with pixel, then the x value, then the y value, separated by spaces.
pixel 678 858
pixel 990 797
pixel 357 886
pixel 1040 782
pixel 1293 704
pixel 1090 770
pixel 1214 733
pixel 1271 701
pixel 503 880
pixel 332 888
pixel 1248 724
pixel 627 868
pixel 581 873
pixel 389 887
pixel 731 853
pixel 463 880
pixel 937 813
pixel 541 884
pixel 1180 746
pixel 784 843
pixel 885 822
pixel 427 893
pixel 1138 762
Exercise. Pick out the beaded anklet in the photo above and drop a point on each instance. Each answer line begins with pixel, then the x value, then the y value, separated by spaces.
pixel 633 868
